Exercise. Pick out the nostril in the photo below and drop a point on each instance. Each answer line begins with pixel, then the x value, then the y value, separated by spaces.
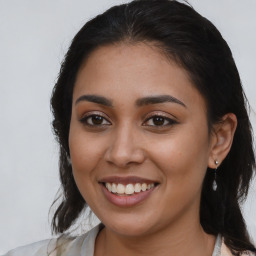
pixel 122 156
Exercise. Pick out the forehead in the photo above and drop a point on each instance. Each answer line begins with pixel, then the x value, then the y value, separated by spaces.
pixel 125 58
pixel 134 70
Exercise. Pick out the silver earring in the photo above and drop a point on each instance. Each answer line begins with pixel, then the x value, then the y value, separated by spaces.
pixel 214 184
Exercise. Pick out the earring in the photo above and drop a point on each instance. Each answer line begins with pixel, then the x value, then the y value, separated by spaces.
pixel 214 184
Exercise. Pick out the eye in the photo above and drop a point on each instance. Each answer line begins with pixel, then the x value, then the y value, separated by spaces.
pixel 94 120
pixel 160 121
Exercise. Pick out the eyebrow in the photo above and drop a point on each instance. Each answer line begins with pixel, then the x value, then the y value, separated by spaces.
pixel 139 102
pixel 158 99
pixel 95 99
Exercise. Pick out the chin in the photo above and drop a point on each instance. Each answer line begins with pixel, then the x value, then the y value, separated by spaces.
pixel 130 227
pixel 131 230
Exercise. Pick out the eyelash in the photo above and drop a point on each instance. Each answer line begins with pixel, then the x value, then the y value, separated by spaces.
pixel 167 121
pixel 85 119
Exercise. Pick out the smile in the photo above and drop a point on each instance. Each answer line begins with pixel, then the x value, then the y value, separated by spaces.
pixel 129 189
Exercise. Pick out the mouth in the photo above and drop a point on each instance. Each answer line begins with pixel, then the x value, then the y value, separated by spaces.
pixel 128 189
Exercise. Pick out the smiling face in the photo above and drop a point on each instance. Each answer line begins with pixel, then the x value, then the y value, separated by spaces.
pixel 138 124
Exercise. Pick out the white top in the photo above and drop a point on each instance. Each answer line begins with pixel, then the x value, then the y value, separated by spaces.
pixel 83 246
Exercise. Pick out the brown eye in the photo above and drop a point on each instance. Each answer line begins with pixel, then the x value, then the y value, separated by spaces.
pixel 158 120
pixel 94 120
pixel 97 120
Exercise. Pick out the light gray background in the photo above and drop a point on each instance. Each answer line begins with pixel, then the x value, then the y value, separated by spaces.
pixel 34 36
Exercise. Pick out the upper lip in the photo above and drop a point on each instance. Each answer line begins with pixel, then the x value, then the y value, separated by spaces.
pixel 126 180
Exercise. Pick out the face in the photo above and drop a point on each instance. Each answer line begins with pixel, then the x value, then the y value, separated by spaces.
pixel 138 140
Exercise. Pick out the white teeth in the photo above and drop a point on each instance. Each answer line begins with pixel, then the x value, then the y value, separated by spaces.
pixel 128 189
pixel 108 186
pixel 144 187
pixel 114 188
pixel 120 189
pixel 137 187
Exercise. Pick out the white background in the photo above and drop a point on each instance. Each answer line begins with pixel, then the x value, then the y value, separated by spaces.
pixel 34 36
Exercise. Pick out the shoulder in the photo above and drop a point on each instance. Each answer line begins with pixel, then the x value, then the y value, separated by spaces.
pixel 64 245
pixel 225 251
pixel 38 248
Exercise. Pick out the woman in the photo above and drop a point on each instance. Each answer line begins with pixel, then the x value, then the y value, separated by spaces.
pixel 154 136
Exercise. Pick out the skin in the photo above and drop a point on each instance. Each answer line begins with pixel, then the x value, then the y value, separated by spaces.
pixel 128 142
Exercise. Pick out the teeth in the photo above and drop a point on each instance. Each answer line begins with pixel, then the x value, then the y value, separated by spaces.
pixel 137 187
pixel 144 187
pixel 113 188
pixel 120 189
pixel 109 187
pixel 128 189
pixel 150 186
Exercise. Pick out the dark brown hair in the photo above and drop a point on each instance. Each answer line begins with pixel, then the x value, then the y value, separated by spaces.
pixel 194 43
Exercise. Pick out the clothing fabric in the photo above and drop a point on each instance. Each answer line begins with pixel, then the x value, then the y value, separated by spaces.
pixel 84 246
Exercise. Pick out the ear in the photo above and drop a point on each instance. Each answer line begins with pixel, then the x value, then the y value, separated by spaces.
pixel 221 139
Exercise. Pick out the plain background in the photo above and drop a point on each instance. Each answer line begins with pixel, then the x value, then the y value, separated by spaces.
pixel 34 36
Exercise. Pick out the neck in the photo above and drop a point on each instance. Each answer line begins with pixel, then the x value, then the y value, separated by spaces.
pixel 188 239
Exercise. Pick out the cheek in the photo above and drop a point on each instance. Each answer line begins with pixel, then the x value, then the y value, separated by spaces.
pixel 182 157
pixel 86 151
pixel 85 148
pixel 85 156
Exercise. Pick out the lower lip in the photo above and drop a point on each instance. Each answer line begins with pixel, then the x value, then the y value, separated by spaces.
pixel 126 201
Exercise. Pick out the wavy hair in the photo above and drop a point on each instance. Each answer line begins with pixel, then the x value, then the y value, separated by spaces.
pixel 194 43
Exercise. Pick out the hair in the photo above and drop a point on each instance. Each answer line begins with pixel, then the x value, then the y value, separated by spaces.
pixel 195 44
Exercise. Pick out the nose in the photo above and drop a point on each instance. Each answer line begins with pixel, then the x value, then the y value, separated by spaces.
pixel 126 148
